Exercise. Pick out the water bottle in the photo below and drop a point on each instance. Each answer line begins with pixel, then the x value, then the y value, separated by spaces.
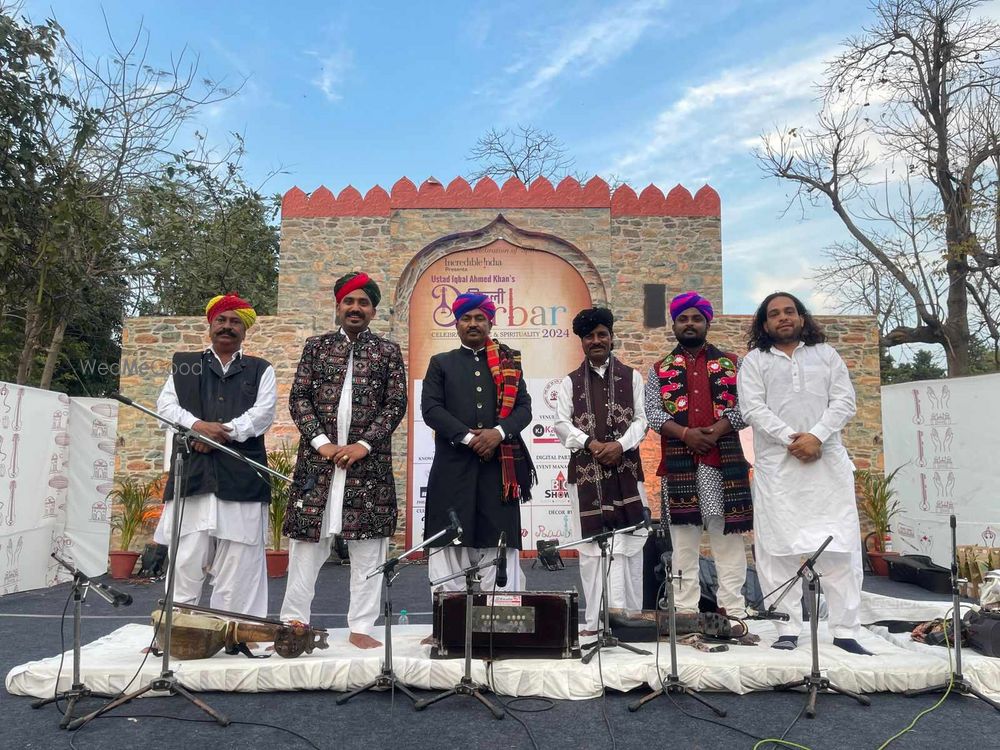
pixel 404 619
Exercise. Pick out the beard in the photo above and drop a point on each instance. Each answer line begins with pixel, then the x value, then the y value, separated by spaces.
pixel 786 335
pixel 691 340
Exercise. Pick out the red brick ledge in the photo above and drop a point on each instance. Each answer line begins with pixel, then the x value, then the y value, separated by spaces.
pixel 297 204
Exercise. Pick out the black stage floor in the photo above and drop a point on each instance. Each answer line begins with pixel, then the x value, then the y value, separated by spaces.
pixel 30 629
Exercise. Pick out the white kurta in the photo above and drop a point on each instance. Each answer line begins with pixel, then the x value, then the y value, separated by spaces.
pixel 797 505
pixel 236 561
pixel 305 559
pixel 625 570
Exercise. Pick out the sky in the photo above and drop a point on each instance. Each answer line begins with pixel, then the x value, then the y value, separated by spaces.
pixel 653 91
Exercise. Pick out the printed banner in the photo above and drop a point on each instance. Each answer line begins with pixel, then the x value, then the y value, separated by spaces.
pixel 56 469
pixel 537 294
pixel 941 433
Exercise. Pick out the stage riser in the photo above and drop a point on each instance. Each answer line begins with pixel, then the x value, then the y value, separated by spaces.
pixel 110 662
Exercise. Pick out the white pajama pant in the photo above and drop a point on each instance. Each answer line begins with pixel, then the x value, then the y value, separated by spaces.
pixel 840 581
pixel 445 561
pixel 624 577
pixel 729 553
pixel 304 562
pixel 238 571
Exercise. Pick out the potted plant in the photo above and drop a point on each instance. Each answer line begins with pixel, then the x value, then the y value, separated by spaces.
pixel 880 504
pixel 282 461
pixel 132 499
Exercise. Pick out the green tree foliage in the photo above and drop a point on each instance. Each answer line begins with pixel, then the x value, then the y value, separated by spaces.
pixel 202 235
pixel 101 214
pixel 922 367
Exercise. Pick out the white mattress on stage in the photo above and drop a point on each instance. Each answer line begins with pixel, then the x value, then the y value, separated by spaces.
pixel 110 663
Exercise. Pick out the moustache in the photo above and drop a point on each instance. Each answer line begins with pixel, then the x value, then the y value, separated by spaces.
pixel 225 332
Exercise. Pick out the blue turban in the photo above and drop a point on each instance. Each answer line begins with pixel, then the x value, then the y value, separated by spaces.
pixel 472 300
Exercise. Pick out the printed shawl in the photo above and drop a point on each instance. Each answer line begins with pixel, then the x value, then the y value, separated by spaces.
pixel 517 473
pixel 678 464
pixel 608 496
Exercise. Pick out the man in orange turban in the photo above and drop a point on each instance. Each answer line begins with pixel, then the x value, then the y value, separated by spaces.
pixel 229 397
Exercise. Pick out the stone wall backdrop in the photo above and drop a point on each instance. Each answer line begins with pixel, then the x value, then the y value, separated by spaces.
pixel 627 247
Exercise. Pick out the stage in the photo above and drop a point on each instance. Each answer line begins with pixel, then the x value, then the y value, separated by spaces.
pixel 111 664
pixel 299 693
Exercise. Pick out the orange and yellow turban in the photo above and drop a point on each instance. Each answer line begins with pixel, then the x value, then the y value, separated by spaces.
pixel 232 301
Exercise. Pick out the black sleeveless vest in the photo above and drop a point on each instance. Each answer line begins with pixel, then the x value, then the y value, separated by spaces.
pixel 204 391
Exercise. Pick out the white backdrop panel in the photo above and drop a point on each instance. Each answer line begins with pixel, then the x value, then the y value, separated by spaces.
pixel 943 434
pixel 56 468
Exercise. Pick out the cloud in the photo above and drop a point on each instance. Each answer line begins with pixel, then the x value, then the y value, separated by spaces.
pixel 584 49
pixel 334 65
pixel 722 118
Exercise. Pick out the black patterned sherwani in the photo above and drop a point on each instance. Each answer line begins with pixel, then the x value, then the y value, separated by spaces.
pixel 378 404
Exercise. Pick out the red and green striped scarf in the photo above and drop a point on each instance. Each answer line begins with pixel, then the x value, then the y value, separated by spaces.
pixel 505 366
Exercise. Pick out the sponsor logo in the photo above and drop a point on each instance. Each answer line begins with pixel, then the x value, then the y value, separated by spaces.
pixel 550 393
pixel 543 433
pixel 557 490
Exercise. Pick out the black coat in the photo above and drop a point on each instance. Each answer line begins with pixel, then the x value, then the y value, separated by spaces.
pixel 458 395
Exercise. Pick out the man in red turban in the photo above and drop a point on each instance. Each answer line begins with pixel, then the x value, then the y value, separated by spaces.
pixel 348 397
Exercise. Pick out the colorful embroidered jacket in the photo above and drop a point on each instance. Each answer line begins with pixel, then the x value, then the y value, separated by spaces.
pixel 678 464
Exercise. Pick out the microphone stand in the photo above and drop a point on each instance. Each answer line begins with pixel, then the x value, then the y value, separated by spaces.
pixel 957 683
pixel 673 684
pixel 390 569
pixel 78 691
pixel 814 681
pixel 167 681
pixel 465 686
pixel 604 638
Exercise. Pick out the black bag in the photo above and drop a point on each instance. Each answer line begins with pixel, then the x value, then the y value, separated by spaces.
pixel 984 631
pixel 657 543
pixel 920 571
pixel 153 563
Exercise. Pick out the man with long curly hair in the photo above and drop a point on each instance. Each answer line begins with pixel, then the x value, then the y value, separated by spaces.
pixel 796 394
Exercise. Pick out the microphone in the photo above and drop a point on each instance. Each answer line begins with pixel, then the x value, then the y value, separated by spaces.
pixel 119 397
pixel 502 561
pixel 815 555
pixel 548 556
pixel 113 596
pixel 456 526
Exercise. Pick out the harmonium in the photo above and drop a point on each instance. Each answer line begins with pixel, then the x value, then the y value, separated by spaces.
pixel 508 625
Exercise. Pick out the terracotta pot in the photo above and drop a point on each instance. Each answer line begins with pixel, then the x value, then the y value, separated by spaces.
pixel 122 563
pixel 277 563
pixel 880 565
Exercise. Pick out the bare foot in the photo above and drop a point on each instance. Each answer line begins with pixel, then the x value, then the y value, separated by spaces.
pixel 588 633
pixel 360 640
pixel 428 641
